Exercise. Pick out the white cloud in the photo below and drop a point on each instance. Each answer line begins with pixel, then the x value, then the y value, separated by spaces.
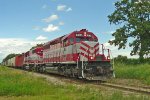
pixel 63 8
pixel 61 23
pixel 69 9
pixel 41 38
pixel 15 45
pixel 51 18
pixel 51 28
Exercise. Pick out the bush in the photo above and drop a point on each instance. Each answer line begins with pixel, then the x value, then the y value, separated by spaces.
pixel 130 61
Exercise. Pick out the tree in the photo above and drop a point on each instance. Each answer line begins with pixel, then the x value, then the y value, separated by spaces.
pixel 121 59
pixel 133 16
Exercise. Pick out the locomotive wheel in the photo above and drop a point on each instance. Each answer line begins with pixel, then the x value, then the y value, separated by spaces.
pixel 43 69
pixel 40 69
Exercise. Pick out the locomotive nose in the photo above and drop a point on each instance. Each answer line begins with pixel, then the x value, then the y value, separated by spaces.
pixel 89 50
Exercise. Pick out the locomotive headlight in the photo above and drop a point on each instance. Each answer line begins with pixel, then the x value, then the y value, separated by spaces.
pixel 85 34
pixel 91 57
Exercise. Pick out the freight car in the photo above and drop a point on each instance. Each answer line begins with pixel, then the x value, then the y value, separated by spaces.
pixel 76 54
pixel 16 61
pixel 19 61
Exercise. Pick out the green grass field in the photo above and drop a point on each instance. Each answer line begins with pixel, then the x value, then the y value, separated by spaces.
pixel 19 85
pixel 140 72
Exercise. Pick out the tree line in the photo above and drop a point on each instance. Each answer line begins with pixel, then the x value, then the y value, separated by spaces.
pixel 130 61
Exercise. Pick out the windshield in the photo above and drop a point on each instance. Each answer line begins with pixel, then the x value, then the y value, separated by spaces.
pixel 85 39
pixel 78 39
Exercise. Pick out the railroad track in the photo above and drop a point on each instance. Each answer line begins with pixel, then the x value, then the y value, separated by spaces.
pixel 128 88
pixel 139 89
pixel 136 89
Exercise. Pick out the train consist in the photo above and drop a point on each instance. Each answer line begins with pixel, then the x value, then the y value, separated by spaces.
pixel 76 54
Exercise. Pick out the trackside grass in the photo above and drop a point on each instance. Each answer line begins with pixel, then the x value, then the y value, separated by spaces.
pixel 19 85
pixel 140 72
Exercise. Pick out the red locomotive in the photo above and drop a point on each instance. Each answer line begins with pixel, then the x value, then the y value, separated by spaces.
pixel 75 54
pixel 33 58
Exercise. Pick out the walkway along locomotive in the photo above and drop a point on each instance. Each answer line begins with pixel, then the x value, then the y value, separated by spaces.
pixel 76 54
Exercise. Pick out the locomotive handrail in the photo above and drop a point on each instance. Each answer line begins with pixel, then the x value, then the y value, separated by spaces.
pixel 82 63
pixel 108 50
pixel 102 48
pixel 113 64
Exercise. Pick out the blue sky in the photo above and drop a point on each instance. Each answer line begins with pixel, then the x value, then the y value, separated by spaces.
pixel 20 16
pixel 33 21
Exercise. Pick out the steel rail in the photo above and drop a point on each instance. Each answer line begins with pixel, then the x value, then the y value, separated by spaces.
pixel 127 88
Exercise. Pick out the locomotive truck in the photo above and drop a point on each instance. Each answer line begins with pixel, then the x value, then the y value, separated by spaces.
pixel 76 54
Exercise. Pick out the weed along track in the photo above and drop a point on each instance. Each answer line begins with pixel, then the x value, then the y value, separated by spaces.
pixel 97 84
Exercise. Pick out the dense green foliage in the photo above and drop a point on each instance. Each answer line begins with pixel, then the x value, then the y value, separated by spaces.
pixel 140 72
pixel 130 61
pixel 134 19
pixel 18 85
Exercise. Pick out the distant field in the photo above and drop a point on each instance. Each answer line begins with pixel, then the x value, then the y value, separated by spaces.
pixel 19 85
pixel 140 72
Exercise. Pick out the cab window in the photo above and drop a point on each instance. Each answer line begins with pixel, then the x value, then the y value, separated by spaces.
pixel 71 40
pixel 85 39
pixel 78 39
pixel 66 42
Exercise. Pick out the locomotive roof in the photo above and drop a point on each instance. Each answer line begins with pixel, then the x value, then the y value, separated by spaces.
pixel 58 40
pixel 81 31
pixel 73 33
